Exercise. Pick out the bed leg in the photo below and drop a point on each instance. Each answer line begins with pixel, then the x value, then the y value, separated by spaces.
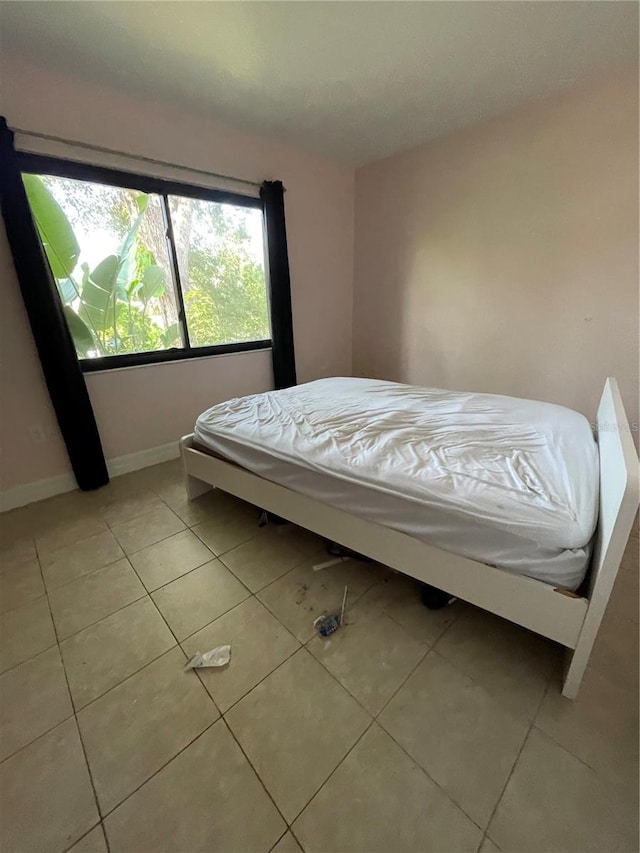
pixel 575 665
pixel 193 486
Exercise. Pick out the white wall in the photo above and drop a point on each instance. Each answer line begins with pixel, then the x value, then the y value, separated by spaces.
pixel 504 257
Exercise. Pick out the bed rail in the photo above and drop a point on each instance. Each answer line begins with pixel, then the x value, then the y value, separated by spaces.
pixel 528 602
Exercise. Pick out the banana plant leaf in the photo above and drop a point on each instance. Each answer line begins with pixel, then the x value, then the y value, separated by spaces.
pixel 152 284
pixel 96 306
pixel 116 278
pixel 56 233
pixel 109 280
pixel 81 334
pixel 127 269
pixel 171 336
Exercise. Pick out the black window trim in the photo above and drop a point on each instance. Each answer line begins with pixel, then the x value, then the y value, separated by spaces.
pixel 140 359
pixel 43 165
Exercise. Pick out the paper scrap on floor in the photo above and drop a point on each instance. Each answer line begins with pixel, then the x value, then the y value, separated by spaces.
pixel 219 656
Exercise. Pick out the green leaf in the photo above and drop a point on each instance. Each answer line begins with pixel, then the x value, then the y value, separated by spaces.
pixel 127 270
pixel 132 288
pixel 111 280
pixel 142 202
pixel 153 281
pixel 104 275
pixel 97 293
pixel 82 337
pixel 171 336
pixel 56 233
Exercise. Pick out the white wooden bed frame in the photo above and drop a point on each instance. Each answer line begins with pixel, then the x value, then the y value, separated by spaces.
pixel 563 616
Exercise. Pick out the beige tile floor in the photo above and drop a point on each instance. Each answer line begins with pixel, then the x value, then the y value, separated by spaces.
pixel 408 730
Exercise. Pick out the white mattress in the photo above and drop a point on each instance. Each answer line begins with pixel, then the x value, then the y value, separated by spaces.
pixel 509 482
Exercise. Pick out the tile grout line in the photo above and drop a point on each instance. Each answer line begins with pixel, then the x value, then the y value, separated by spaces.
pixel 102 618
pixel 53 551
pixel 490 694
pixel 372 721
pixel 517 758
pixel 44 594
pixel 433 781
pixel 75 715
pixel 111 525
pixel 98 515
pixel 433 650
pixel 414 761
pixel 153 591
pixel 84 574
pixel 159 770
pixel 564 748
pixel 109 529
pixel 428 650
pixel 127 557
pixel 140 668
pixel 218 719
pixel 282 662
pixel 42 734
pixel 177 644
pixel 211 699
pixel 448 627
pixel 369 725
pixel 147 593
pixel 226 550
pixel 275 615
pixel 94 512
pixel 56 645
pixel 302 646
pixel 273 847
pixel 437 639
pixel 303 558
pixel 88 832
pixel 202 627
pixel 126 678
pixel 257 775
pixel 32 657
pixel 300 844
pixel 344 687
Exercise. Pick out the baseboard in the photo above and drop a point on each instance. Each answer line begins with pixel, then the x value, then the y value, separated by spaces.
pixel 37 491
pixel 142 459
pixel 41 489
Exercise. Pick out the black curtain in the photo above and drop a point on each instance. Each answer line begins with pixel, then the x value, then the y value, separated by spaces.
pixel 55 346
pixel 283 354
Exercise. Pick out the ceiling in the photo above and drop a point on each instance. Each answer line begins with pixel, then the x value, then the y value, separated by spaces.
pixel 352 81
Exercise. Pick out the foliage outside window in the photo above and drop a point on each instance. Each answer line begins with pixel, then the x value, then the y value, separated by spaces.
pixel 125 262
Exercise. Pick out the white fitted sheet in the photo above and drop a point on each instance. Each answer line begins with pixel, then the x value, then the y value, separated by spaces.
pixel 509 482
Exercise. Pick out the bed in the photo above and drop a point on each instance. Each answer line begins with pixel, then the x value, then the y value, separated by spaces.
pixel 508 504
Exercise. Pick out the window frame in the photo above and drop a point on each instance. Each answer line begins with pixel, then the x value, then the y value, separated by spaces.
pixel 39 164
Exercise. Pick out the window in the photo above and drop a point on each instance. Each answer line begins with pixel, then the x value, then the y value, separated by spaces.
pixel 149 270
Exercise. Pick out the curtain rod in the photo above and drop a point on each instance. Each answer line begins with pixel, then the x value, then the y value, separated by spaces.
pixel 140 157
